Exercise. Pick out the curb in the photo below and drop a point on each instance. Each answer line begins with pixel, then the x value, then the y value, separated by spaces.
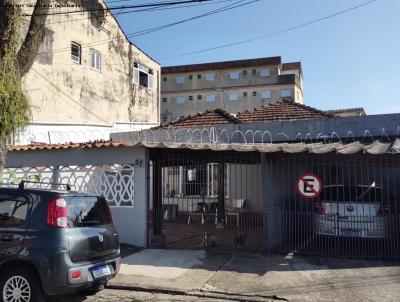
pixel 196 293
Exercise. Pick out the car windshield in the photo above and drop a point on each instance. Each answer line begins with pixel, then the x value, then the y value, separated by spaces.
pixel 85 211
pixel 351 193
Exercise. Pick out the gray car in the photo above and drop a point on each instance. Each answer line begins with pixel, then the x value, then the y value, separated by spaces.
pixel 351 211
pixel 54 242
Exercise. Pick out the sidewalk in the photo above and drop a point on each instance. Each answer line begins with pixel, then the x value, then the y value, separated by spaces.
pixel 257 277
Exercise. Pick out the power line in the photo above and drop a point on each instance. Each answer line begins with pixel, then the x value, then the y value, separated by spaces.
pixel 145 10
pixel 150 30
pixel 173 7
pixel 271 34
pixel 154 4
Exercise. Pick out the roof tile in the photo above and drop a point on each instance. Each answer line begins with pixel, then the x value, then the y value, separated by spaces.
pixel 204 119
pixel 87 145
pixel 283 110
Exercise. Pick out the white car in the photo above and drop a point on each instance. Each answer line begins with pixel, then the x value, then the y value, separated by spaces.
pixel 351 211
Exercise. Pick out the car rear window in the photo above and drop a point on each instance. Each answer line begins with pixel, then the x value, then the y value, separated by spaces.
pixel 13 212
pixel 351 194
pixel 85 211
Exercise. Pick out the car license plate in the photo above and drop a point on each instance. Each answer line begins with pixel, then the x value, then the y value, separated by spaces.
pixel 101 271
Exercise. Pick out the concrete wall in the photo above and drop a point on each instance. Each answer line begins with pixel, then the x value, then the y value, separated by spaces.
pixel 66 133
pixel 65 92
pixel 221 86
pixel 131 222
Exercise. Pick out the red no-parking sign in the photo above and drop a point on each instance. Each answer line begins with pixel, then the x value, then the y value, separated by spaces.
pixel 309 186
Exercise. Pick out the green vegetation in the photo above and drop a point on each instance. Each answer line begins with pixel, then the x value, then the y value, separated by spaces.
pixel 14 105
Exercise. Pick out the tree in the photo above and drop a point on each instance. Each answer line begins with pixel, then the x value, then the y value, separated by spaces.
pixel 15 61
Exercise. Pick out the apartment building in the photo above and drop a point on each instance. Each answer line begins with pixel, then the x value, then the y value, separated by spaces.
pixel 88 80
pixel 233 86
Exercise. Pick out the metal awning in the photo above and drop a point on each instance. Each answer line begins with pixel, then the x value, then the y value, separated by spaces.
pixel 374 148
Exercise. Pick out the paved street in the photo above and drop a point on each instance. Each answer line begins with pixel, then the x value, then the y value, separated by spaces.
pixel 110 295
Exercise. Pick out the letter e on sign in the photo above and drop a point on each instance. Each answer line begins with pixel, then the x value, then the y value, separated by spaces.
pixel 309 186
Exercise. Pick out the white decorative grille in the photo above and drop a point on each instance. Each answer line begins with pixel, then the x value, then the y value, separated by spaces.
pixel 13 176
pixel 114 182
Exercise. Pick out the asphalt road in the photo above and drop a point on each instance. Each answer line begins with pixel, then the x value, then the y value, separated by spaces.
pixel 110 295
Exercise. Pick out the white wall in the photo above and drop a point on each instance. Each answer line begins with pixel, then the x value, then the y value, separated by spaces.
pixel 65 133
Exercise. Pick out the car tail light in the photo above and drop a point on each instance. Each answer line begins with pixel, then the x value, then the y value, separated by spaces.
pixel 382 211
pixel 57 213
pixel 76 275
pixel 319 209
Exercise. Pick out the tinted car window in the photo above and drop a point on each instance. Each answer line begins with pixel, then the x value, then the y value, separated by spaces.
pixel 87 211
pixel 351 194
pixel 13 212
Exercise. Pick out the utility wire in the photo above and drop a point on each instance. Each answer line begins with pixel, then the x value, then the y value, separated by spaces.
pixel 172 7
pixel 144 10
pixel 150 30
pixel 271 34
pixel 154 4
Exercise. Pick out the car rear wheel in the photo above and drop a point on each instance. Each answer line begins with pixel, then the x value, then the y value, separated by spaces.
pixel 20 285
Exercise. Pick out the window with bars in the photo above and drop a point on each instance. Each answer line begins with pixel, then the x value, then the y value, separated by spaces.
pixel 198 180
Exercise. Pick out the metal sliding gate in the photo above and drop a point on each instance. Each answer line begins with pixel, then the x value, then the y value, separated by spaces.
pixel 205 200
pixel 333 205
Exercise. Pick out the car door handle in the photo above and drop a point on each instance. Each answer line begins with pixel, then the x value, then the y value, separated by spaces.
pixel 6 238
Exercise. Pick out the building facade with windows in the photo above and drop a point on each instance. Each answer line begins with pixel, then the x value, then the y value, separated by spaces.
pixel 233 86
pixel 88 80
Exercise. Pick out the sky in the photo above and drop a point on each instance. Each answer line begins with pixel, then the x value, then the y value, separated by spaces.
pixel 350 60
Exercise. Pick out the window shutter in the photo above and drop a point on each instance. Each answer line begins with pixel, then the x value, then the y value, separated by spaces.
pixel 98 61
pixel 150 81
pixel 93 64
pixel 135 79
